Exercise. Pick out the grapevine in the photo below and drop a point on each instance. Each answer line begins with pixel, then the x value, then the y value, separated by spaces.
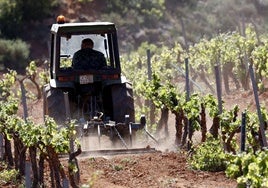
pixel 38 143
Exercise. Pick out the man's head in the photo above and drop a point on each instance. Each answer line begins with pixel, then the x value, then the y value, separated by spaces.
pixel 87 43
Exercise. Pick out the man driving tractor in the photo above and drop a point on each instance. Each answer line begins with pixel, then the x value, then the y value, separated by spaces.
pixel 88 58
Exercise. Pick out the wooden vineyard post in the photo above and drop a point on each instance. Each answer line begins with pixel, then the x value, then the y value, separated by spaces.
pixel 23 99
pixel 187 87
pixel 218 85
pixel 214 130
pixel 2 148
pixel 257 102
pixel 149 102
pixel 243 133
pixel 28 182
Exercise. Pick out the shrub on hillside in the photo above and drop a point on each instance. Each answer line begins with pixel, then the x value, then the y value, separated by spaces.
pixel 17 16
pixel 14 54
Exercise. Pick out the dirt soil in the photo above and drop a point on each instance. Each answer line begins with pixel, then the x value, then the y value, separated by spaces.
pixel 162 169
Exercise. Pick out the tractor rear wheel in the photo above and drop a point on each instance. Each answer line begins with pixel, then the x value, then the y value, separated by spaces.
pixel 123 102
pixel 54 104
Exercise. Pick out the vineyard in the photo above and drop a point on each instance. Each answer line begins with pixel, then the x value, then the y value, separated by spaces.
pixel 237 61
pixel 189 85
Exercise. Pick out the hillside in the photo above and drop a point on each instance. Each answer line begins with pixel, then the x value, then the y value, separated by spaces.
pixel 165 23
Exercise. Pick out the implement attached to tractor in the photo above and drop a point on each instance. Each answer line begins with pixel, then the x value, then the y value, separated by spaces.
pixel 98 97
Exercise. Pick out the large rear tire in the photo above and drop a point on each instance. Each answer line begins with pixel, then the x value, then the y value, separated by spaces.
pixel 54 105
pixel 123 102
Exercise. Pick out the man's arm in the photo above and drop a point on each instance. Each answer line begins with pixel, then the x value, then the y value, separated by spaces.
pixel 103 61
pixel 76 60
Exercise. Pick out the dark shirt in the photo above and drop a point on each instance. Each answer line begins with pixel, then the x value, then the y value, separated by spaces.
pixel 88 59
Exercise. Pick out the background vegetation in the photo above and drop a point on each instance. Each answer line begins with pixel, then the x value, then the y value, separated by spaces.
pixel 160 22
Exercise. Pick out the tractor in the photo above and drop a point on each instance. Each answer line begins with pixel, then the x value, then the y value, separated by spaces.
pixel 99 98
